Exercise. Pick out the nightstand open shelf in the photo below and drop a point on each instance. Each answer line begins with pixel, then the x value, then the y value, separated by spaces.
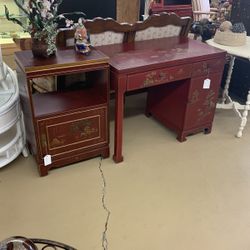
pixel 58 102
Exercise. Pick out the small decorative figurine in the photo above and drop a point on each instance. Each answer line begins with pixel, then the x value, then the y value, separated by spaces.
pixel 82 44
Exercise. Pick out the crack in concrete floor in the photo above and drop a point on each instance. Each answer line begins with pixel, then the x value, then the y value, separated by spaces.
pixel 104 187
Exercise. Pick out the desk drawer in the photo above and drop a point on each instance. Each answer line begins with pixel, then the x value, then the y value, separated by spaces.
pixel 205 67
pixel 159 76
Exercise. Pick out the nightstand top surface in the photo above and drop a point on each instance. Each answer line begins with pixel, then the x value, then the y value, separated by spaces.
pixel 63 60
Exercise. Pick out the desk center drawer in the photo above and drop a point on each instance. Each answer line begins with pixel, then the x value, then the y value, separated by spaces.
pixel 158 76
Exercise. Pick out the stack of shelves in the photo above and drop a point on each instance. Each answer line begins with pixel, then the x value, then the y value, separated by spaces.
pixel 12 133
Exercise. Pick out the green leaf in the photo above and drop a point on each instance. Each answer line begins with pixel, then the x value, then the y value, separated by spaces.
pixel 20 6
pixel 14 20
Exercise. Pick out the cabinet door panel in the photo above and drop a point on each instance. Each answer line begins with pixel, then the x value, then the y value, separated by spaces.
pixel 202 101
pixel 69 133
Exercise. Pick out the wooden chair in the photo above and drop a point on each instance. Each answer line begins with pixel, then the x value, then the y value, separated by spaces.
pixel 161 25
pixel 107 31
pixel 201 10
pixel 22 243
pixel 102 31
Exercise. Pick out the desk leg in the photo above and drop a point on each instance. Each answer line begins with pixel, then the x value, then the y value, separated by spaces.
pixel 120 89
pixel 244 116
pixel 225 94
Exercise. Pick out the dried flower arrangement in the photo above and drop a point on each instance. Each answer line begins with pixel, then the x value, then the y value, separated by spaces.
pixel 41 21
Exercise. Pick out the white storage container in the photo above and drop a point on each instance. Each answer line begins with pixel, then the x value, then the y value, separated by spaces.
pixel 12 132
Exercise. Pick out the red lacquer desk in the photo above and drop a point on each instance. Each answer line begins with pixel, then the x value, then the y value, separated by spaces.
pixel 182 77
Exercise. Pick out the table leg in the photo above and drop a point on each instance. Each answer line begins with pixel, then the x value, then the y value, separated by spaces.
pixel 120 89
pixel 225 94
pixel 244 116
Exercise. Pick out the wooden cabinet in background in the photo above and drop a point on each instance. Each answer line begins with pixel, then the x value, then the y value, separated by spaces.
pixel 70 124
pixel 179 7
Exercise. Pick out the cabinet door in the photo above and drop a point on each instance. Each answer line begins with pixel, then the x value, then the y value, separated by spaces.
pixel 203 96
pixel 74 133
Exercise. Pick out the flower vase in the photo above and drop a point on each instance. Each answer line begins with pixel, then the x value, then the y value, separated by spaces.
pixel 40 48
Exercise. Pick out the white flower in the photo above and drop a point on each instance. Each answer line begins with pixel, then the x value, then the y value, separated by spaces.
pixel 27 7
pixel 44 13
pixel 69 22
pixel 60 16
pixel 46 4
pixel 49 15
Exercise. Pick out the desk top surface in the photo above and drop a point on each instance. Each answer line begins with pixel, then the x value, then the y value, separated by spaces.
pixel 241 51
pixel 155 53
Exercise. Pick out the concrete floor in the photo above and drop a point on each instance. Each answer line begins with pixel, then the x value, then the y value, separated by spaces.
pixel 165 195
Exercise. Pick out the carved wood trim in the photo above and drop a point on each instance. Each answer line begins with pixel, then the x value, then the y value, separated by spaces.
pixel 100 25
pixel 164 19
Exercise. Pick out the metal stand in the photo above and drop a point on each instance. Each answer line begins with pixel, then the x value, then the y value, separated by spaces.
pixel 228 103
